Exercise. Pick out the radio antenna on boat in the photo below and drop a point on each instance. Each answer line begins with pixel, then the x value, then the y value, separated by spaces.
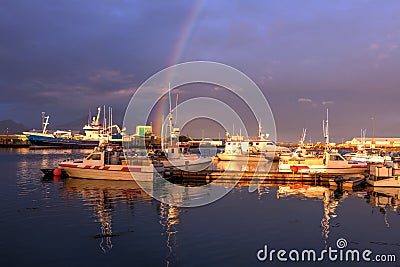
pixel 43 113
pixel 176 109
pixel 89 118
pixel 170 113
pixel 169 97
pixel 303 136
pixel 104 118
pixel 162 132
pixel 260 134
pixel 325 128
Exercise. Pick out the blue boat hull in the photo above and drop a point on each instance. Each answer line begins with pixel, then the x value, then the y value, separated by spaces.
pixel 41 141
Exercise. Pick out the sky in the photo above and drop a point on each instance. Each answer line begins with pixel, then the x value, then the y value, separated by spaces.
pixel 69 57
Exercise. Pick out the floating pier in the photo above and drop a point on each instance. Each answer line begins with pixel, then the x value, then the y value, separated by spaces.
pixel 208 176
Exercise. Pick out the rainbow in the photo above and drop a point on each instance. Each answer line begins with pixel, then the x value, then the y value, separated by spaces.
pixel 162 108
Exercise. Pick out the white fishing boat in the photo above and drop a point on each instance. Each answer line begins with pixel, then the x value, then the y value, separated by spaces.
pixel 363 156
pixel 384 176
pixel 328 162
pixel 108 163
pixel 176 155
pixel 237 148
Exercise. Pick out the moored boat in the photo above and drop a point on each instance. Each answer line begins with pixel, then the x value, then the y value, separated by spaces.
pixel 95 133
pixel 329 162
pixel 108 163
pixel 178 156
pixel 237 148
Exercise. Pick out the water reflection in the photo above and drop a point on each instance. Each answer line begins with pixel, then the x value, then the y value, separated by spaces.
pixel 102 195
pixel 169 220
pixel 329 197
pixel 127 222
pixel 29 163
pixel 386 198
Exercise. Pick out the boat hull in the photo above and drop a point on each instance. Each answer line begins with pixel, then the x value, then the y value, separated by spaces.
pixel 47 142
pixel 355 169
pixel 188 165
pixel 110 172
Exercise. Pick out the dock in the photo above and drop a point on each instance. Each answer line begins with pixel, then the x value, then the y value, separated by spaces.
pixel 208 176
pixel 14 140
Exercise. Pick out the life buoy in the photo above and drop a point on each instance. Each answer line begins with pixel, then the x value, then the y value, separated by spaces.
pixel 294 169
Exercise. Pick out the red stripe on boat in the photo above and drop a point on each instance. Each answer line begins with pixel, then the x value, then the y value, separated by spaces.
pixel 96 167
pixel 87 167
pixel 126 169
pixel 302 167
pixel 359 166
pixel 67 165
pixel 106 167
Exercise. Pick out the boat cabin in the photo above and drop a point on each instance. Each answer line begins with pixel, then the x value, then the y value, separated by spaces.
pixel 105 157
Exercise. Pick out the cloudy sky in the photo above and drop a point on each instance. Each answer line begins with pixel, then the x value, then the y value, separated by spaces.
pixel 68 57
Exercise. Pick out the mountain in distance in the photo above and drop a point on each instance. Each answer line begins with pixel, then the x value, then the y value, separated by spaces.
pixel 11 127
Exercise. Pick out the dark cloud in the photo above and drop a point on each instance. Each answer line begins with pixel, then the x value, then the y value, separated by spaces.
pixel 66 57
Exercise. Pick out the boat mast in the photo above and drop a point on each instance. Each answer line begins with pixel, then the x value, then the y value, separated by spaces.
pixel 89 118
pixel 162 132
pixel 109 120
pixel 170 114
pixel 303 137
pixel 176 109
pixel 98 116
pixel 104 119
pixel 45 123
pixel 325 128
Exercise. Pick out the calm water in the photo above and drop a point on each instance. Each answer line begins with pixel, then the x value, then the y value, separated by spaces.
pixel 76 222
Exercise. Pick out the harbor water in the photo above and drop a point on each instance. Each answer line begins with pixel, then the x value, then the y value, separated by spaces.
pixel 76 222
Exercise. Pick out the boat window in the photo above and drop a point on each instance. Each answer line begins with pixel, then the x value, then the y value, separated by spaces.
pixel 335 157
pixel 96 156
pixel 257 144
